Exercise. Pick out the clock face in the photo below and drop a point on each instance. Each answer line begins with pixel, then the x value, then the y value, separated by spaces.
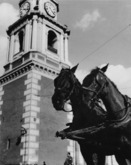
pixel 50 9
pixel 24 8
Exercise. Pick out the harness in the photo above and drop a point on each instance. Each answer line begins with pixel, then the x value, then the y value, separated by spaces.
pixel 128 111
pixel 125 119
pixel 97 93
pixel 126 99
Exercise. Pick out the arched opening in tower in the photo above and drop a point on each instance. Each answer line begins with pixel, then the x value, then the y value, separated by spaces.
pixel 52 42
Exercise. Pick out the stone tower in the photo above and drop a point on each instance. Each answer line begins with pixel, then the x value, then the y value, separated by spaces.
pixel 38 49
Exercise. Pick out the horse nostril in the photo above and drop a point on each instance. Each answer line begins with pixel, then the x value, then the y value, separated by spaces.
pixel 58 101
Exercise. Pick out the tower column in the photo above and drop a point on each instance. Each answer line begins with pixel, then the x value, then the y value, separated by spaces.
pixel 11 52
pixel 34 34
pixel 7 53
pixel 27 37
pixel 66 48
pixel 62 47
pixel 29 152
pixel 43 37
pixel 39 35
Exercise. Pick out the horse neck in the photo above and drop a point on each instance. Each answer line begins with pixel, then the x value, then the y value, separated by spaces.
pixel 81 110
pixel 76 95
pixel 76 98
pixel 113 101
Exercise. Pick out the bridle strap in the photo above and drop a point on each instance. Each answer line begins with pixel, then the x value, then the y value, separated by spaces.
pixel 99 91
pixel 96 93
pixel 65 100
pixel 89 89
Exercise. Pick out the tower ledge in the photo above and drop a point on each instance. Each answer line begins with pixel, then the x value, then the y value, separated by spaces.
pixel 24 64
pixel 29 17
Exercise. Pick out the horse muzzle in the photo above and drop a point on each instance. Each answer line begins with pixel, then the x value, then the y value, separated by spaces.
pixel 57 103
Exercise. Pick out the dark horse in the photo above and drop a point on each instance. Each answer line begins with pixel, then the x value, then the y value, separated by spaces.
pixel 118 107
pixel 68 87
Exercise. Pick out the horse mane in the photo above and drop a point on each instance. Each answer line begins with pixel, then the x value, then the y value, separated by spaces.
pixel 115 86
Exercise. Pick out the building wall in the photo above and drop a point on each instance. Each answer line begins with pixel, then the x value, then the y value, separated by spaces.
pixel 26 102
pixel 52 150
pixel 11 120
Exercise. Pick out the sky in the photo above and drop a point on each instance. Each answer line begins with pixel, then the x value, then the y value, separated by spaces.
pixel 100 34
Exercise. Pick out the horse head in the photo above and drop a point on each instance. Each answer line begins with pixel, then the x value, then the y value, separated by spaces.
pixel 64 87
pixel 67 87
pixel 99 86
pixel 94 83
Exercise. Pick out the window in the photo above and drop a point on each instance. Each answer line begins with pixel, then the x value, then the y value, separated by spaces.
pixel 16 44
pixel 19 41
pixel 52 42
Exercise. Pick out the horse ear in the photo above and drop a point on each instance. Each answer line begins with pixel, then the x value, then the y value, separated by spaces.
pixel 104 68
pixel 74 68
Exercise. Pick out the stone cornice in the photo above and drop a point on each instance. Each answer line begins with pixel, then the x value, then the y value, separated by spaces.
pixel 31 65
pixel 17 24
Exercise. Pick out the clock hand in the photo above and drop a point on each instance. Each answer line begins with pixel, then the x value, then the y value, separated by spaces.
pixel 52 10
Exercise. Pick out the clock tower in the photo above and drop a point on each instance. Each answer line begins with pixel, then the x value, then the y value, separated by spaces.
pixel 38 49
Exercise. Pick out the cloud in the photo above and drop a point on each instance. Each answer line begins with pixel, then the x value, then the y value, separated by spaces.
pixel 88 20
pixel 121 76
pixel 8 15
